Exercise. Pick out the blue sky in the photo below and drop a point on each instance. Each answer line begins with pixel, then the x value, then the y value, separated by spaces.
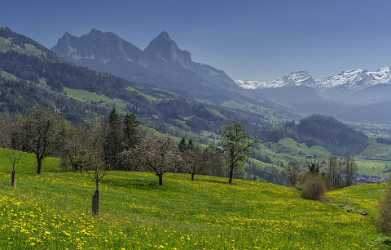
pixel 248 39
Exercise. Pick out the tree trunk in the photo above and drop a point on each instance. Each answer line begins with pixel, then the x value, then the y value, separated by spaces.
pixel 95 199
pixel 192 176
pixel 13 178
pixel 160 179
pixel 95 203
pixel 231 174
pixel 39 165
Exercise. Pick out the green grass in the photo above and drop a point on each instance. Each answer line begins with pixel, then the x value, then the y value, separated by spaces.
pixel 290 150
pixel 52 211
pixel 292 147
pixel 371 167
pixel 94 98
pixel 377 151
pixel 287 150
pixel 150 98
pixel 27 163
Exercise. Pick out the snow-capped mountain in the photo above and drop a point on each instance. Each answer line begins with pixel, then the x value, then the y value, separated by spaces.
pixel 358 79
pixel 300 78
pixel 355 79
pixel 353 95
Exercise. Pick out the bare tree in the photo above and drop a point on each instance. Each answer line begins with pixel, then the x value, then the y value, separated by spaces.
pixel 11 141
pixel 14 158
pixel 157 154
pixel 191 157
pixel 350 171
pixel 192 163
pixel 99 171
pixel 75 149
pixel 334 175
pixel 292 173
pixel 212 160
pixel 95 164
pixel 4 137
pixel 42 133
pixel 236 144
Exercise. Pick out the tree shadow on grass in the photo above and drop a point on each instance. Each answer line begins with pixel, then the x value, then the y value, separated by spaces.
pixel 145 184
pixel 215 181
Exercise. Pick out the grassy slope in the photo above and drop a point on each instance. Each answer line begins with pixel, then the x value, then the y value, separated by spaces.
pixel 283 152
pixel 92 97
pixel 371 167
pixel 52 211
pixel 377 151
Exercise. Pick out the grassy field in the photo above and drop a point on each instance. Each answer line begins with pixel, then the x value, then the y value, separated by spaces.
pixel 92 97
pixel 52 211
pixel 372 167
pixel 377 151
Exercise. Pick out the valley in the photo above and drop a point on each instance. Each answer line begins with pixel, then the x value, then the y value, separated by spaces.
pixel 116 134
pixel 359 96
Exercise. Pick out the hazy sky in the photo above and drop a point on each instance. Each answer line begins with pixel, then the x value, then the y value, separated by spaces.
pixel 248 39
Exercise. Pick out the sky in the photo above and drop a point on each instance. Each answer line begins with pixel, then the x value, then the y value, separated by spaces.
pixel 257 40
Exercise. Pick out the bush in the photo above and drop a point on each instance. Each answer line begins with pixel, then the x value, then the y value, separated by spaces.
pixel 385 211
pixel 313 188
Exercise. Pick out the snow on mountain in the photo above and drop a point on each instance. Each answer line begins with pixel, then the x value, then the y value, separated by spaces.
pixel 250 84
pixel 350 78
pixel 358 79
pixel 355 79
pixel 382 75
pixel 300 78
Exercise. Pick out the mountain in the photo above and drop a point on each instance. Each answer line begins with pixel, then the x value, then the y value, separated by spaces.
pixel 328 132
pixel 358 79
pixel 161 64
pixel 300 78
pixel 353 95
pixel 301 99
pixel 355 79
pixel 31 75
pixel 100 50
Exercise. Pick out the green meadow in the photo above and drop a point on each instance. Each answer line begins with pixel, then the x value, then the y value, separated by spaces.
pixel 52 211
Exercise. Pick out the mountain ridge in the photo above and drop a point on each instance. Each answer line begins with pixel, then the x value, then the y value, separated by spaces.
pixel 32 75
pixel 161 64
pixel 354 79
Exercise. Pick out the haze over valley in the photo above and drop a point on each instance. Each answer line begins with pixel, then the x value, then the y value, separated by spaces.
pixel 125 127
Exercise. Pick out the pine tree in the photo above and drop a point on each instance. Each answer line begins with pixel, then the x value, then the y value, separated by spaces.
pixel 190 145
pixel 182 146
pixel 131 133
pixel 113 140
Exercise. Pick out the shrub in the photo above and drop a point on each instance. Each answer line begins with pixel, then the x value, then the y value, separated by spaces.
pixel 313 188
pixel 385 211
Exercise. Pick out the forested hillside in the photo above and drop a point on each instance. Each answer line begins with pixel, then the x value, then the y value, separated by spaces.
pixel 33 75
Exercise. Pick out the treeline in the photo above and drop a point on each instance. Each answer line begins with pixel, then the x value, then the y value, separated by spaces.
pixel 118 143
pixel 319 176
pixel 337 172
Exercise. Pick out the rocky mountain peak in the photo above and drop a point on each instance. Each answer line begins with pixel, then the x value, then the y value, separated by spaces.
pixel 166 50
